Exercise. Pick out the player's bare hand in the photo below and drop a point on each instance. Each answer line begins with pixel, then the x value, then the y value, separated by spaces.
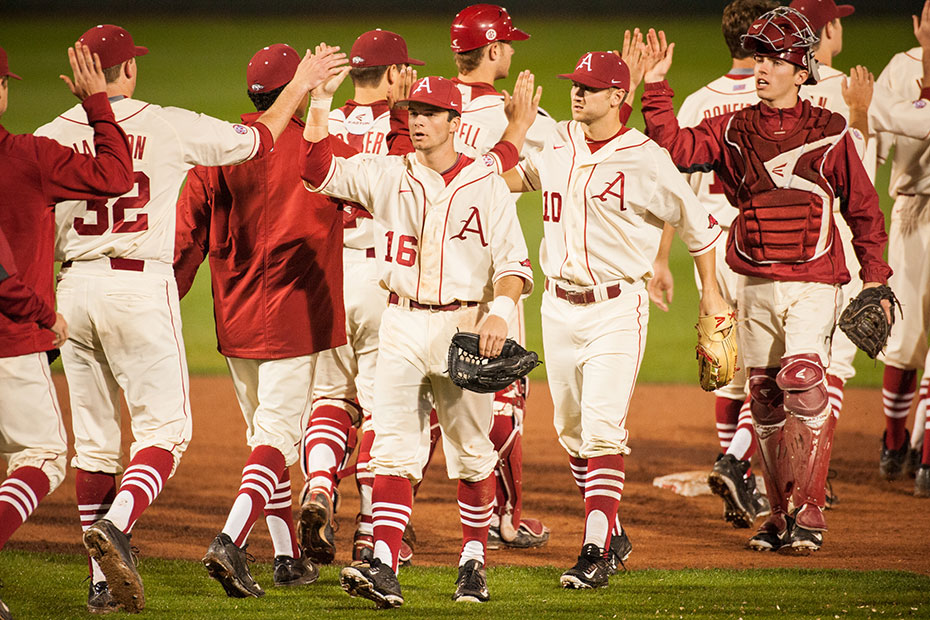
pixel 661 287
pixel 659 54
pixel 886 305
pixel 316 68
pixel 88 74
pixel 713 303
pixel 922 27
pixel 857 90
pixel 400 89
pixel 493 333
pixel 522 107
pixel 60 329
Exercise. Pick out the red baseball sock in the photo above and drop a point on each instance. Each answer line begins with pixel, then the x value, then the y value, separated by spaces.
pixel 835 387
pixel 476 503
pixel 602 492
pixel 364 479
pixel 260 478
pixel 20 494
pixel 95 491
pixel 579 469
pixel 141 483
pixel 280 519
pixel 325 445
pixel 726 412
pixel 391 504
pixel 435 434
pixel 898 386
pixel 743 445
pixel 925 399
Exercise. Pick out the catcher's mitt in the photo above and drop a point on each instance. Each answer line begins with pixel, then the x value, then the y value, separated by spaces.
pixel 864 322
pixel 716 349
pixel 471 371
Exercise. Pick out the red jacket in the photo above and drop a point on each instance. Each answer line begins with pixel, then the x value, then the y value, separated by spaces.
pixel 704 148
pixel 275 253
pixel 36 173
pixel 18 302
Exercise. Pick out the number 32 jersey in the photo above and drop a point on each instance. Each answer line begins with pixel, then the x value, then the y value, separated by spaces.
pixel 603 212
pixel 164 143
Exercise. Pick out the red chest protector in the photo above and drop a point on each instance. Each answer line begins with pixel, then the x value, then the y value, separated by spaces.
pixel 785 203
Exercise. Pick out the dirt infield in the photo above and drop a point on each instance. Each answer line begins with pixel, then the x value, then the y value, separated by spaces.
pixel 876 525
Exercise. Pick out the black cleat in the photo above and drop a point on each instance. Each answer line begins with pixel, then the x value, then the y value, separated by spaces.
pixel 315 528
pixel 801 541
pixel 590 571
pixel 922 482
pixel 728 480
pixel 891 460
pixel 110 547
pixel 912 464
pixel 471 586
pixel 99 600
pixel 290 571
pixel 229 565
pixel 374 581
pixel 618 551
pixel 772 535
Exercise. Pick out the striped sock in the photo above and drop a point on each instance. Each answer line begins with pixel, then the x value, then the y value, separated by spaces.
pixel 579 469
pixel 898 386
pixel 280 519
pixel 260 478
pixel 20 494
pixel 835 387
pixel 364 478
pixel 95 491
pixel 924 404
pixel 476 503
pixel 141 483
pixel 325 444
pixel 744 439
pixel 391 504
pixel 726 413
pixel 602 492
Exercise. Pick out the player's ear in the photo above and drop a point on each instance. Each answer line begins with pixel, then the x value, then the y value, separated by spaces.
pixel 129 68
pixel 800 76
pixel 494 50
pixel 617 97
pixel 392 72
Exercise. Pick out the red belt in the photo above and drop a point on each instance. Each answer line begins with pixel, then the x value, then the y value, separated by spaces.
pixel 369 252
pixel 122 264
pixel 394 298
pixel 581 298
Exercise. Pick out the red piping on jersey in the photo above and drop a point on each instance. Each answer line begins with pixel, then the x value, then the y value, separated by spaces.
pixel 51 393
pixel 487 107
pixel 442 250
pixel 571 169
pixel 639 350
pixel 177 343
pixel 721 92
pixel 584 192
pixel 422 228
pixel 119 120
pixel 908 54
pixel 698 251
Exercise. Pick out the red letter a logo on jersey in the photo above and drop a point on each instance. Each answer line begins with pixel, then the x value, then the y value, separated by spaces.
pixel 475 217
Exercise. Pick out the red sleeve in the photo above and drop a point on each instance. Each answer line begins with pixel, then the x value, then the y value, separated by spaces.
pixel 925 92
pixel 507 154
pixel 67 175
pixel 17 300
pixel 265 139
pixel 398 139
pixel 859 207
pixel 340 148
pixel 693 149
pixel 318 159
pixel 192 229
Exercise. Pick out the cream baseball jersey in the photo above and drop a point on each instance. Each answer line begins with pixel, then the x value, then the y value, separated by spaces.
pixel 726 94
pixel 603 212
pixel 892 114
pixel 364 127
pixel 165 143
pixel 442 243
pixel 910 168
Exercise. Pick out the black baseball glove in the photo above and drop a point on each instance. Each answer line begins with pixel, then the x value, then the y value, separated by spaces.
pixel 471 371
pixel 863 321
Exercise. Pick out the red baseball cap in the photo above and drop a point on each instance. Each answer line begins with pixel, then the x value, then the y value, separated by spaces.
pixel 479 24
pixel 112 44
pixel 377 48
pixel 821 12
pixel 436 91
pixel 5 66
pixel 271 67
pixel 600 70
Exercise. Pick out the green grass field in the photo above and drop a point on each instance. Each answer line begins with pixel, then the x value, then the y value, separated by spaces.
pixel 200 64
pixel 179 590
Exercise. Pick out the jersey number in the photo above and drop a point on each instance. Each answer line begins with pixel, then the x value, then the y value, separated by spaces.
pixel 716 187
pixel 120 223
pixel 406 249
pixel 552 206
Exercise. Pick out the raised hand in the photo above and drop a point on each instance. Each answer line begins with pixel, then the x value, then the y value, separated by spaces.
pixel 400 89
pixel 316 68
pixel 658 59
pixel 521 108
pixel 88 74
pixel 922 27
pixel 857 90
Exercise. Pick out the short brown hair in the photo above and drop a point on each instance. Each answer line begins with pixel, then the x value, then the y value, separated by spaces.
pixel 368 77
pixel 470 60
pixel 738 17
pixel 112 73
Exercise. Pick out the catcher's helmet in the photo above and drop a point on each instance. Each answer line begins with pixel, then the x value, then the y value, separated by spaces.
pixel 479 24
pixel 784 33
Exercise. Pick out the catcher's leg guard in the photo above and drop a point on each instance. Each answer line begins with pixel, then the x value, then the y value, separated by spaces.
pixel 768 415
pixel 507 437
pixel 809 440
pixel 803 381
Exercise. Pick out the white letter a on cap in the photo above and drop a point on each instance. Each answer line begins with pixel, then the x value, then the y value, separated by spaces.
pixel 424 84
pixel 585 62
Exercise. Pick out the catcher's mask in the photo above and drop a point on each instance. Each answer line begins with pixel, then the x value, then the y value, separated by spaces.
pixel 786 34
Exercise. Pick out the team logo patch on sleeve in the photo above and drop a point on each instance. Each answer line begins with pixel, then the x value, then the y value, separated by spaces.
pixel 712 221
pixel 525 263
pixel 920 103
pixel 241 129
pixel 488 160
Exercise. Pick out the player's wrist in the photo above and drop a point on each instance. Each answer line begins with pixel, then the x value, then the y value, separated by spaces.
pixel 503 307
pixel 321 102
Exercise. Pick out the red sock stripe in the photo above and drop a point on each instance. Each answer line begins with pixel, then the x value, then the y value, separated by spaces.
pixel 605 482
pixel 392 501
pixel 281 498
pixel 835 387
pixel 94 491
pixel 144 479
pixel 579 469
pixel 20 495
pixel 726 413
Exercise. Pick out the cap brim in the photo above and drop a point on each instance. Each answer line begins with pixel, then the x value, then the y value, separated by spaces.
pixel 585 78
pixel 414 61
pixel 845 10
pixel 516 35
pixel 141 51
pixel 12 75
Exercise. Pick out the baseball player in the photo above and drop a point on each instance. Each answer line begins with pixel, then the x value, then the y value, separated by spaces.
pixel 117 290
pixel 605 189
pixel 37 173
pixel 909 245
pixel 789 293
pixel 482 37
pixel 276 271
pixel 731 477
pixel 453 258
pixel 343 388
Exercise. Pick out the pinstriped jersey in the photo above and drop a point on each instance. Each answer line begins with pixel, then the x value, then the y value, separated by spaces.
pixel 164 143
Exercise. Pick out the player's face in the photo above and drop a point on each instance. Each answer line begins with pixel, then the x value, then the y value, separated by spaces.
pixel 777 81
pixel 4 94
pixel 505 49
pixel 590 104
pixel 430 127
